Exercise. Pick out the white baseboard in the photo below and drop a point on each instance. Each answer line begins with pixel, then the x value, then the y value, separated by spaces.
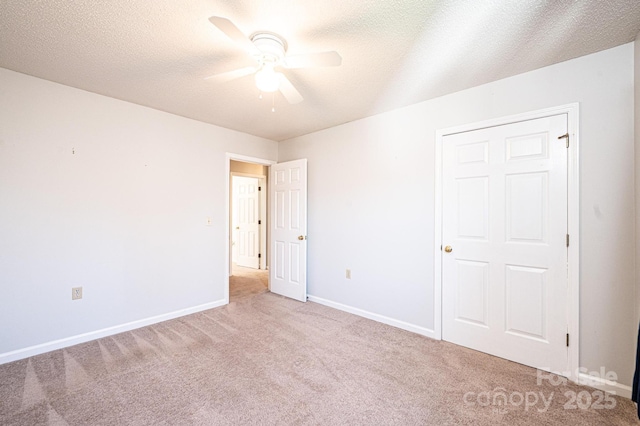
pixel 375 317
pixel 605 385
pixel 92 335
pixel 586 379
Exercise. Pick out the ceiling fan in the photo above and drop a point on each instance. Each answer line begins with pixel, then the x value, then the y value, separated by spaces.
pixel 269 50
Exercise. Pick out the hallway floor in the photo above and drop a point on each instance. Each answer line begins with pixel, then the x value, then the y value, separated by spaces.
pixel 245 282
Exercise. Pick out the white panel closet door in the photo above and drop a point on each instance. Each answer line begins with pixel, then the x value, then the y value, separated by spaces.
pixel 246 206
pixel 504 282
pixel 288 204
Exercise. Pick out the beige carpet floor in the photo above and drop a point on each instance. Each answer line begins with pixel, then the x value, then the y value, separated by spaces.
pixel 247 282
pixel 265 359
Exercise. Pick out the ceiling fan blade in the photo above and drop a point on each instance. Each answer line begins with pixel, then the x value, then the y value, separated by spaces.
pixel 231 31
pixel 323 59
pixel 231 75
pixel 290 93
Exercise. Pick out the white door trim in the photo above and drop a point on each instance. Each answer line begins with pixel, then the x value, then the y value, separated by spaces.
pixel 573 279
pixel 227 176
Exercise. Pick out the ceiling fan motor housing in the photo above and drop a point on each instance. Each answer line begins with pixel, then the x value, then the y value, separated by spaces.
pixel 271 46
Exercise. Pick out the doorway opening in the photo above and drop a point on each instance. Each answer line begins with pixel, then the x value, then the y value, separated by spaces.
pixel 247 227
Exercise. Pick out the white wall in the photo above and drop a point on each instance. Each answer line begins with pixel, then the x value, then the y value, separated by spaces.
pixel 110 196
pixel 371 199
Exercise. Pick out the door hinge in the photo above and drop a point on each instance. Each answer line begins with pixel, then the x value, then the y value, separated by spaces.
pixel 565 136
pixel 259 255
pixel 567 240
pixel 567 339
pixel 259 188
pixel 259 222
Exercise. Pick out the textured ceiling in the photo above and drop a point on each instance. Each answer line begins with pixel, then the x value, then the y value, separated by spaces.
pixel 395 53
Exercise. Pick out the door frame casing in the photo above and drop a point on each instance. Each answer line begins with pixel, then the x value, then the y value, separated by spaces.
pixel 237 157
pixel 573 217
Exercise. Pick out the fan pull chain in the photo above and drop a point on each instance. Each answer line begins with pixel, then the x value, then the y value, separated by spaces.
pixel 273 103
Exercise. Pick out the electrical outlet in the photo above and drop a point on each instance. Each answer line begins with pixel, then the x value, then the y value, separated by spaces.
pixel 348 274
pixel 76 293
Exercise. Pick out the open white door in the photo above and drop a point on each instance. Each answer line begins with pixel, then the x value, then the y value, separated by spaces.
pixel 288 204
pixel 246 214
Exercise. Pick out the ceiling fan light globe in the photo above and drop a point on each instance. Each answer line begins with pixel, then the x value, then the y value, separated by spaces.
pixel 267 80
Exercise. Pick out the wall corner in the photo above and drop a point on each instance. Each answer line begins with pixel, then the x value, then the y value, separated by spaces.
pixel 636 133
